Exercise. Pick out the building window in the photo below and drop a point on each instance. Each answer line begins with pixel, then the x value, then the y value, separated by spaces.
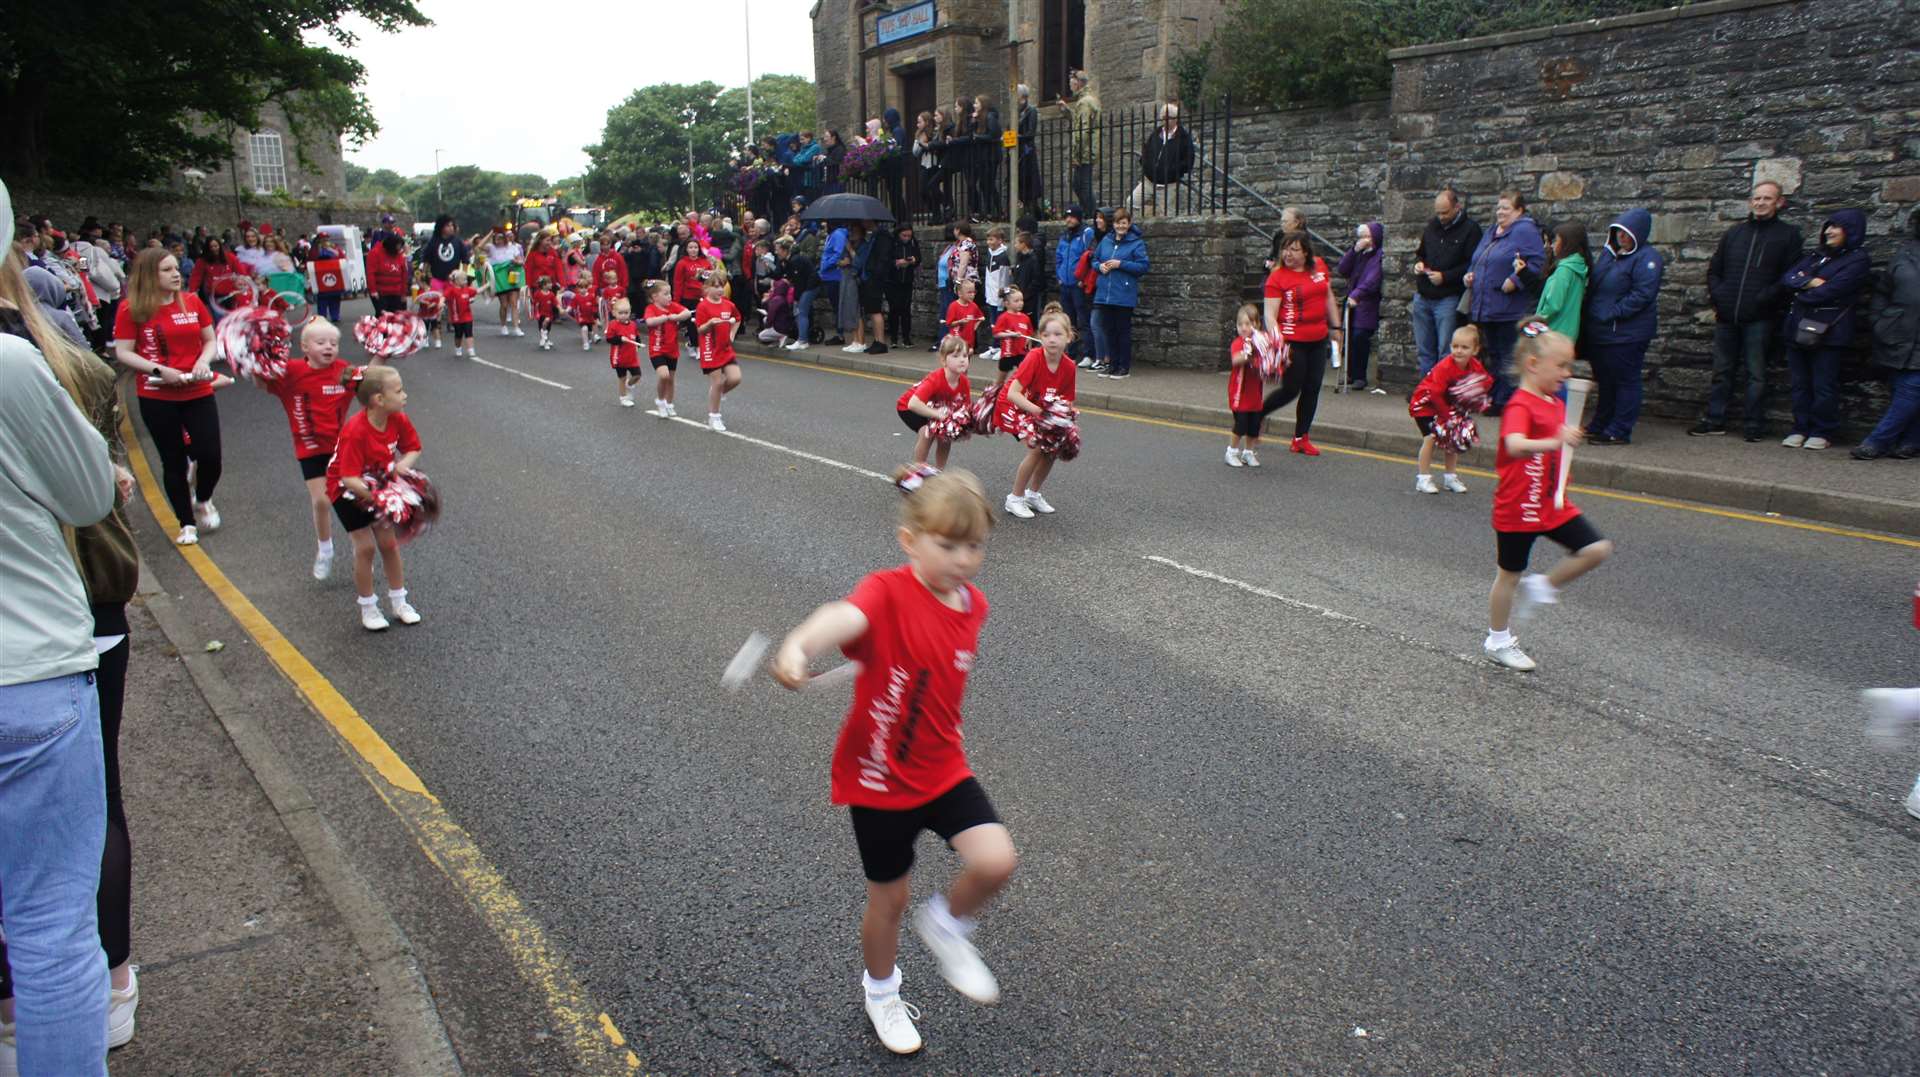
pixel 269 163
pixel 1062 45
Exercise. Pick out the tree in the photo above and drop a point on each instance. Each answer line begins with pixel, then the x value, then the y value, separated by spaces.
pixel 389 185
pixel 781 103
pixel 473 195
pixel 640 162
pixel 127 92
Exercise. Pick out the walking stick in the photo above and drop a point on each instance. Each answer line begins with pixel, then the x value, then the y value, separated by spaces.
pixel 1577 390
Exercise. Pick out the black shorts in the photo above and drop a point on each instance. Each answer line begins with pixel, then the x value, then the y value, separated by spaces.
pixel 622 373
pixel 314 467
pixel 914 420
pixel 1425 423
pixel 671 362
pixel 1246 424
pixel 872 300
pixel 1516 546
pixel 705 369
pixel 462 331
pixel 1010 363
pixel 351 514
pixel 886 837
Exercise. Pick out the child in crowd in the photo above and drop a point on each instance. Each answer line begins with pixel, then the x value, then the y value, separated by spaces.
pixel 776 317
pixel 326 300
pixel 1433 402
pixel 942 265
pixel 1012 332
pixel 917 625
pixel 937 396
pixel 623 348
pixel 964 316
pixel 546 307
pixel 428 304
pixel 585 308
pixel 715 320
pixel 663 317
pixel 459 303
pixel 316 398
pixel 1245 390
pixel 376 441
pixel 1533 432
pixel 999 273
pixel 1043 375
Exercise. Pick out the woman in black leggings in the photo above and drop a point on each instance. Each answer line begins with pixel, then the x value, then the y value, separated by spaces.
pixel 1299 295
pixel 167 336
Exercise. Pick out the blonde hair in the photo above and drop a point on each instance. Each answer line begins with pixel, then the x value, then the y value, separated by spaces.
pixel 1535 345
pixel 1053 307
pixel 144 294
pixel 459 277
pixel 952 505
pixel 374 380
pixel 952 342
pixel 318 324
pixel 74 369
pixel 655 287
pixel 1249 312
pixel 622 308
pixel 1053 315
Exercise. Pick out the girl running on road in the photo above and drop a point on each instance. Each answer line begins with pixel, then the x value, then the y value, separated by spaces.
pixel 899 764
pixel 937 396
pixel 1533 431
pixel 1042 374
pixel 623 342
pixel 663 317
pixel 316 398
pixel 377 440
pixel 715 321
pixel 546 307
pixel 1431 403
pixel 1244 390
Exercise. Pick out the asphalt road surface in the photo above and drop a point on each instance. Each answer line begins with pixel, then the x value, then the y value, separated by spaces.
pixel 1266 792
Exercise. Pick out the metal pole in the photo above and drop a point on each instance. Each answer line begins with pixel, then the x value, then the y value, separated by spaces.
pixel 1013 159
pixel 439 199
pixel 746 8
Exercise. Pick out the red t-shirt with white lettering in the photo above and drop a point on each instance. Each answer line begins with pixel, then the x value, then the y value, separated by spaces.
pixel 716 344
pixel 664 339
pixel 1035 379
pixel 1245 391
pixel 545 304
pixel 956 312
pixel 363 451
pixel 316 404
pixel 586 307
pixel 1011 322
pixel 934 391
pixel 900 745
pixel 1303 301
pixel 1524 499
pixel 170 338
pixel 460 303
pixel 623 340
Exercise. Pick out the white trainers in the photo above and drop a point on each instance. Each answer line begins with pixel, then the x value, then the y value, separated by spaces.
pixel 322 564
pixel 1511 656
pixel 671 410
pixel 120 1007
pixel 1039 504
pixel 1017 506
pixel 188 536
pixel 626 402
pixel 403 611
pixel 1912 803
pixel 1453 484
pixel 960 963
pixel 659 409
pixel 1893 714
pixel 371 618
pixel 854 348
pixel 893 1019
pixel 1233 458
pixel 1085 363
pixel 1817 444
pixel 1249 458
pixel 1794 441
pixel 797 346
pixel 586 346
pixel 519 332
pixel 206 516
pixel 714 422
pixel 1423 484
pixel 1533 593
pixel 506 331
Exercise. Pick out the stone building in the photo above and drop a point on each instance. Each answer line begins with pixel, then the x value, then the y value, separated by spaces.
pixel 272 158
pixel 915 56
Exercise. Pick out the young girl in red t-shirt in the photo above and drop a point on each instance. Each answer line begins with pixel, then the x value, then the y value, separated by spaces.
pixel 316 397
pixel 623 342
pixel 585 308
pixel 1433 403
pixel 937 396
pixel 546 307
pixel 715 321
pixel 376 441
pixel 1244 389
pixel 663 317
pixel 1533 431
pixel 1013 332
pixel 428 303
pixel 964 316
pixel 1044 375
pixel 459 302
pixel 610 291
pixel 899 763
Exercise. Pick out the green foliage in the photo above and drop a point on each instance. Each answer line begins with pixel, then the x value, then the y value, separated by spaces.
pixel 640 162
pixel 1190 69
pixel 126 93
pixel 1305 51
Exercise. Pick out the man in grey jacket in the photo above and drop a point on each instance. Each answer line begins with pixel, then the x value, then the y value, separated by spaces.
pixel 54 471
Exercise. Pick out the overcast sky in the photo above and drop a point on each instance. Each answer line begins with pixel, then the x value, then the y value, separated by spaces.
pixel 428 91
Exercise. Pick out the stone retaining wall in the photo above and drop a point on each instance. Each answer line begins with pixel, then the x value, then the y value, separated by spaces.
pixel 144 210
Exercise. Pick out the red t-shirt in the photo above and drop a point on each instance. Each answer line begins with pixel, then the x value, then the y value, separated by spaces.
pixel 546 264
pixel 1010 322
pixel 586 307
pixel 1524 499
pixel 1245 391
pixel 316 404
pixel 664 339
pixel 363 451
pixel 1035 379
pixel 1303 301
pixel 1438 380
pixel 900 745
pixel 623 339
pixel 934 391
pixel 686 277
pixel 958 310
pixel 545 304
pixel 608 293
pixel 460 303
pixel 716 344
pixel 609 260
pixel 170 338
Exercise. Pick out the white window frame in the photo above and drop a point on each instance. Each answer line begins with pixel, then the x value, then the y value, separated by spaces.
pixel 267 160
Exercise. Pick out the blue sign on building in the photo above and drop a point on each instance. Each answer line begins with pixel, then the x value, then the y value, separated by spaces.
pixel 905 23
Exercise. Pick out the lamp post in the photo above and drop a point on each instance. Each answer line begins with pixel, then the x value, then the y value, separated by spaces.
pixel 746 9
pixel 439 200
pixel 691 116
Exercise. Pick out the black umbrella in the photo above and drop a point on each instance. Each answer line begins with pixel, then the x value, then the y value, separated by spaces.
pixel 847 207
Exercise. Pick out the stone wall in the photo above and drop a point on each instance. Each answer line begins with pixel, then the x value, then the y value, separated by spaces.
pixel 141 211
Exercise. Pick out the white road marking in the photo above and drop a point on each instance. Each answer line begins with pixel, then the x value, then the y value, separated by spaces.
pixel 801 453
pixel 518 373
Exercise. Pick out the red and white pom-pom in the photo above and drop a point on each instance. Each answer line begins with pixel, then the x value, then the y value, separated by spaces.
pixel 393 335
pixel 255 341
pixel 567 297
pixel 231 293
pixel 957 426
pixel 1456 432
pixel 1271 354
pixel 983 415
pixel 1055 431
pixel 911 477
pixel 429 304
pixel 406 501
pixel 1472 394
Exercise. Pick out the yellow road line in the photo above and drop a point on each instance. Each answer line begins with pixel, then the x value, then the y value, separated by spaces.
pixel 595 1042
pixel 1368 454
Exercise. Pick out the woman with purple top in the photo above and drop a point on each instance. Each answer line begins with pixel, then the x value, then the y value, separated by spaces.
pixel 1360 268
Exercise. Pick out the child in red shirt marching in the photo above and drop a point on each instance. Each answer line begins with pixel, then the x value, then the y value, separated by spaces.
pixel 1431 404
pixel 376 441
pixel 610 291
pixel 1043 373
pixel 715 321
pixel 899 764
pixel 1533 431
pixel 585 308
pixel 1245 390
pixel 546 307
pixel 663 317
pixel 459 303
pixel 316 398
pixel 427 303
pixel 623 342
pixel 964 316
pixel 1014 332
pixel 937 396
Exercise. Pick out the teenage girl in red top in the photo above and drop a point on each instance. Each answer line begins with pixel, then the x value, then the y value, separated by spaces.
pixel 1299 293
pixel 167 335
pixel 1533 431
pixel 545 261
pixel 1043 374
pixel 316 397
pixel 214 275
pixel 1243 390
pixel 689 275
pixel 663 317
pixel 937 396
pixel 377 440
pixel 899 764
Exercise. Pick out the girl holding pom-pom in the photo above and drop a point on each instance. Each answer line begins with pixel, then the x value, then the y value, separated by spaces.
pixel 938 396
pixel 1043 376
pixel 1434 402
pixel 1245 392
pixel 315 393
pixel 377 441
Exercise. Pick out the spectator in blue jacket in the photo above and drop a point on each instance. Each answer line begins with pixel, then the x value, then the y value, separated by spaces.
pixel 1066 257
pixel 1825 285
pixel 1621 317
pixel 832 253
pixel 1360 268
pixel 1497 293
pixel 1121 261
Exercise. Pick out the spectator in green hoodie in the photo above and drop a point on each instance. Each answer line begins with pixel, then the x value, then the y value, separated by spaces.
pixel 1566 288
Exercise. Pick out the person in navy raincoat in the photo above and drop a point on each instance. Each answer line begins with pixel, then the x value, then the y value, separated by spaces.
pixel 1621 318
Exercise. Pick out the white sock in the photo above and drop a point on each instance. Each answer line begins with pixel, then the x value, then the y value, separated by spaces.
pixel 398 594
pixel 879 989
pixel 326 548
pixel 1031 494
pixel 1452 476
pixel 942 914
pixel 1499 639
pixel 368 600
pixel 1543 587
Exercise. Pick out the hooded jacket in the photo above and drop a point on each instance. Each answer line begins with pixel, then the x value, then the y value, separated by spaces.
pixel 1563 296
pixel 1843 277
pixel 1447 249
pixel 386 273
pixel 1622 298
pixel 51 294
pixel 830 252
pixel 1743 277
pixel 1066 255
pixel 1167 160
pixel 1121 286
pixel 1361 270
pixel 1492 266
pixel 1896 311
